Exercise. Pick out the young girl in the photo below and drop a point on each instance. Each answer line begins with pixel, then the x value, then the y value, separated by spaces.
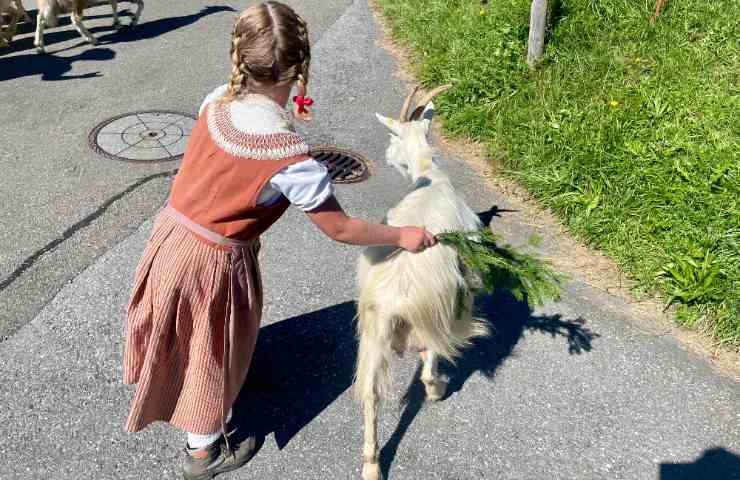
pixel 196 305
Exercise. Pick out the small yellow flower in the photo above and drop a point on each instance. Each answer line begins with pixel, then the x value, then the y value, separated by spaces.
pixel 482 12
pixel 613 103
pixel 638 60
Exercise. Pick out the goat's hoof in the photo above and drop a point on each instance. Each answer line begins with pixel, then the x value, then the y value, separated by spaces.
pixel 435 389
pixel 41 50
pixel 371 471
pixel 92 41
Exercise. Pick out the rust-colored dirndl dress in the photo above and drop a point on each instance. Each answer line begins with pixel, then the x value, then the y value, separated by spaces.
pixel 196 305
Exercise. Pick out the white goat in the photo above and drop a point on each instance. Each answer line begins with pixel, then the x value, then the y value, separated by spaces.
pixel 49 11
pixel 417 301
pixel 13 9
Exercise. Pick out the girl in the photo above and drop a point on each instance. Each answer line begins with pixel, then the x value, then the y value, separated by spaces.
pixel 196 305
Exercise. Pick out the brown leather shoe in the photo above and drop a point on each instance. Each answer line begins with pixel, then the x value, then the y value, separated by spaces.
pixel 206 463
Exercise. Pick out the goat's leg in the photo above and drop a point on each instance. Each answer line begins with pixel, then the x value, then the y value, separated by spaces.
pixel 116 21
pixel 370 456
pixel 137 15
pixel 3 41
pixel 40 24
pixel 372 374
pixel 22 13
pixel 371 370
pixel 77 16
pixel 434 385
pixel 12 29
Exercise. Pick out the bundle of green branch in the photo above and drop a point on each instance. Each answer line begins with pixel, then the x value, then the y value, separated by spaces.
pixel 503 268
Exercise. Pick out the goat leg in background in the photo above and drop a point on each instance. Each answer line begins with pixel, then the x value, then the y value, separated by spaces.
pixel 116 21
pixel 40 25
pixel 23 14
pixel 3 40
pixel 77 16
pixel 137 15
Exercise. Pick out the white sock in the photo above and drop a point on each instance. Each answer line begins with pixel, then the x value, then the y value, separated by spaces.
pixel 197 441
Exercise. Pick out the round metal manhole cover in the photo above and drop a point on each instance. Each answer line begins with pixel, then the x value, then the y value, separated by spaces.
pixel 344 166
pixel 148 137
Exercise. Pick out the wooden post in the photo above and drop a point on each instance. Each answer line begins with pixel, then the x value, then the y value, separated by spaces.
pixel 658 10
pixel 537 28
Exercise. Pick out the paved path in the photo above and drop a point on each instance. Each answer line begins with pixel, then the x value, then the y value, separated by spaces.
pixel 574 390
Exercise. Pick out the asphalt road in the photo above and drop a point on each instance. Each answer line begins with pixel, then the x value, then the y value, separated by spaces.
pixel 572 391
pixel 62 204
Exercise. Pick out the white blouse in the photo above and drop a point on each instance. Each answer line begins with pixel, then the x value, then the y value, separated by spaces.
pixel 305 184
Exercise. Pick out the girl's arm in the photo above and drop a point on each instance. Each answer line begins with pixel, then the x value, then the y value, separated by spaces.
pixel 331 219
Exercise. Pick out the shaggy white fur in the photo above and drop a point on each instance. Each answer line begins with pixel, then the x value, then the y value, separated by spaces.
pixel 417 301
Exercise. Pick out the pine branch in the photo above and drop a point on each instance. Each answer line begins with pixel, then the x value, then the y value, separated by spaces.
pixel 503 268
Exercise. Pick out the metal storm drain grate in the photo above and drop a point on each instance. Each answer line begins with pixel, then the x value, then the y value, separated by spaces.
pixel 344 166
pixel 149 136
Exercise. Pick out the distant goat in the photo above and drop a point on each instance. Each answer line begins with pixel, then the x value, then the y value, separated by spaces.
pixel 49 11
pixel 13 9
pixel 420 301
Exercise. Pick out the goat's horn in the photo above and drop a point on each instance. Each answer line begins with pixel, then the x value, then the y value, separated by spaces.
pixel 403 117
pixel 428 98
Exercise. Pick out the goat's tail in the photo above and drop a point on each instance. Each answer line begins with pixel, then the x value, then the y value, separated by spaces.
pixel 372 375
pixel 51 13
pixel 441 320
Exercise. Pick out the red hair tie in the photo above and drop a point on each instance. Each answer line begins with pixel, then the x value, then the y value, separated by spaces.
pixel 302 103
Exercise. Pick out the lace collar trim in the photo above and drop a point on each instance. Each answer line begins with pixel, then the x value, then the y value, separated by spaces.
pixel 264 131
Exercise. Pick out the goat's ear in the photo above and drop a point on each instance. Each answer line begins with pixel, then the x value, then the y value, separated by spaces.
pixel 393 125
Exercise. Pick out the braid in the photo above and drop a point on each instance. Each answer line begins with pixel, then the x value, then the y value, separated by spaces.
pixel 269 47
pixel 302 33
pixel 239 73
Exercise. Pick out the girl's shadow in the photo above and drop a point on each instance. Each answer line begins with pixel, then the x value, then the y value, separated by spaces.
pixel 300 366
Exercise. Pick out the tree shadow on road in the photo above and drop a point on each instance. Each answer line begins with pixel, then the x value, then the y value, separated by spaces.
pixel 714 463
pixel 53 66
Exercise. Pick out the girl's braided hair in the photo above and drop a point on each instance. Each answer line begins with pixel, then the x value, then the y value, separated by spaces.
pixel 269 47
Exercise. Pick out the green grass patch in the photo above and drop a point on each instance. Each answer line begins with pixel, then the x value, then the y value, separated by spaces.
pixel 630 133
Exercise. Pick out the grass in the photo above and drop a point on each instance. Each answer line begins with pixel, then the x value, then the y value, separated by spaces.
pixel 629 132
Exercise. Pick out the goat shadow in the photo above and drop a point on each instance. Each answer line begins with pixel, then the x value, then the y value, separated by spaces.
pixel 715 462
pixel 52 66
pixel 304 363
pixel 508 319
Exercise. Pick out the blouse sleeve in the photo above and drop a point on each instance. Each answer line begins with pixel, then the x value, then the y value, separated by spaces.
pixel 217 93
pixel 305 184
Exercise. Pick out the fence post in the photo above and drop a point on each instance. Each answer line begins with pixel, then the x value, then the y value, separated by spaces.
pixel 537 28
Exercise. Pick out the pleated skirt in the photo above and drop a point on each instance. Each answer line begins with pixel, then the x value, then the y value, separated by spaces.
pixel 192 325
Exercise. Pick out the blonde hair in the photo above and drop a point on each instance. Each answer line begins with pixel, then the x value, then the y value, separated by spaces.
pixel 269 47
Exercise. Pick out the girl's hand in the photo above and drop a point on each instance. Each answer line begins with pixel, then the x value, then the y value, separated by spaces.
pixel 416 239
